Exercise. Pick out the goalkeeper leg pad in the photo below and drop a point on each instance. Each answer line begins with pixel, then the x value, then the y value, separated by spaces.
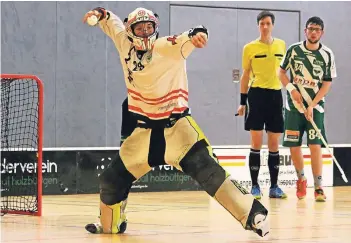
pixel 113 219
pixel 228 192
pixel 114 189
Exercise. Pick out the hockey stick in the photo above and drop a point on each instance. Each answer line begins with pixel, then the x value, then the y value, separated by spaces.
pixel 301 88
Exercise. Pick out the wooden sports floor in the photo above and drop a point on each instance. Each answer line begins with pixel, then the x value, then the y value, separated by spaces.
pixel 182 217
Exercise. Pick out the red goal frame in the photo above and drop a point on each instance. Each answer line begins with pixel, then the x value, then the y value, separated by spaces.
pixel 40 141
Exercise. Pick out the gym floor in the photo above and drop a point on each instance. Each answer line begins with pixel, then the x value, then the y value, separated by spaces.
pixel 185 217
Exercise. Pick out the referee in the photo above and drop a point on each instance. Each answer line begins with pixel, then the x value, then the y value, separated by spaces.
pixel 262 104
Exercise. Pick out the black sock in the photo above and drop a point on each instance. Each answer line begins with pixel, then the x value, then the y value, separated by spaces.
pixel 254 164
pixel 273 165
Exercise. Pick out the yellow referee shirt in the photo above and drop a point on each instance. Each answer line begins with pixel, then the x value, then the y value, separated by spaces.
pixel 263 60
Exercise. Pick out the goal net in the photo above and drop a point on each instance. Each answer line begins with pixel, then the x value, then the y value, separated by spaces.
pixel 21 144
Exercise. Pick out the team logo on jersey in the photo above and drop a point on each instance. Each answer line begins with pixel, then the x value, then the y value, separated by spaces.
pixel 148 58
pixel 291 136
pixel 297 58
pixel 318 63
pixel 317 71
pixel 172 39
pixel 301 80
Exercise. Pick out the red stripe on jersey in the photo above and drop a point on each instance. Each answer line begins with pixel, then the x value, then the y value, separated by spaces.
pixel 157 115
pixel 160 98
pixel 163 101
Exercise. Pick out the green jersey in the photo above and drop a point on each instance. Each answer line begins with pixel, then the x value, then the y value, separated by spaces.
pixel 310 69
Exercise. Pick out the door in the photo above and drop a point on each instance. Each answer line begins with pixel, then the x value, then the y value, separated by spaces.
pixel 213 97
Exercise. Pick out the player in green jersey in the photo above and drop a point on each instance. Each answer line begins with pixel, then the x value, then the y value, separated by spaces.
pixel 312 66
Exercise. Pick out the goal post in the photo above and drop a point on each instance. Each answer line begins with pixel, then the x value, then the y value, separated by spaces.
pixel 22 98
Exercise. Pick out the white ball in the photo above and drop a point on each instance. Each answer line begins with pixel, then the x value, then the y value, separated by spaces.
pixel 92 20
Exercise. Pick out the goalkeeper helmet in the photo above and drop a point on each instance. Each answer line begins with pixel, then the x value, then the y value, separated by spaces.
pixel 142 15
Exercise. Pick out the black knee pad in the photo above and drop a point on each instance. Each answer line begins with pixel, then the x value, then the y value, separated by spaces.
pixel 115 182
pixel 203 168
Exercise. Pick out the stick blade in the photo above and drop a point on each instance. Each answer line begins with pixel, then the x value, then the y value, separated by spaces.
pixel 344 178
